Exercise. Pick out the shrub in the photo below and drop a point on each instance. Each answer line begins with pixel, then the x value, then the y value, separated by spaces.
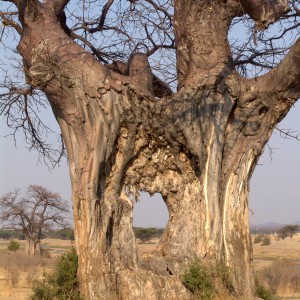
pixel 262 292
pixel 11 234
pixel 258 239
pixel 13 246
pixel 62 284
pixel 266 241
pixel 199 281
pixel 224 274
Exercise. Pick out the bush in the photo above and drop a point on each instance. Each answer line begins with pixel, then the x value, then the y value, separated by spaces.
pixel 62 234
pixel 262 292
pixel 62 284
pixel 224 274
pixel 13 246
pixel 266 241
pixel 199 281
pixel 258 239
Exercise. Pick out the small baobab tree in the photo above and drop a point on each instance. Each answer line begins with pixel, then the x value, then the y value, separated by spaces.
pixel 39 210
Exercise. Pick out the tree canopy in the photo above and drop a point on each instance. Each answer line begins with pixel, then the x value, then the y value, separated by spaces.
pixel 287 231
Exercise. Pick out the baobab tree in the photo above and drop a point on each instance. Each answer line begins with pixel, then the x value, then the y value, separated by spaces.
pixel 39 210
pixel 131 122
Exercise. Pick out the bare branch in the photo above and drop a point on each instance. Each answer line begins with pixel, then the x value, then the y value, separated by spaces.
pixel 103 17
pixel 9 22
pixel 288 133
pixel 39 210
pixel 95 51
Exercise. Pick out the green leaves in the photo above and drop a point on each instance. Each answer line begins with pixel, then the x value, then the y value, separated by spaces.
pixel 62 284
pixel 199 281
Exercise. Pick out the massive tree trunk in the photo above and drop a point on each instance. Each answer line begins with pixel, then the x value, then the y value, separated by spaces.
pixel 33 244
pixel 198 148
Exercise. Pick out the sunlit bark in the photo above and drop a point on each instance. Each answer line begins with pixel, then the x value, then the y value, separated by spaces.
pixel 198 147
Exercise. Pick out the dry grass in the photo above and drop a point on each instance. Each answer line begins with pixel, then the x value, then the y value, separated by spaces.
pixel 18 270
pixel 18 262
pixel 287 248
pixel 143 249
pixel 282 278
pixel 277 265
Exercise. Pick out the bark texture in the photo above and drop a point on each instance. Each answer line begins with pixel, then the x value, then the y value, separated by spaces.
pixel 198 147
pixel 33 245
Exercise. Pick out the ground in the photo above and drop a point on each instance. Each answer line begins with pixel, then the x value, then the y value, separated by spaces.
pixel 18 270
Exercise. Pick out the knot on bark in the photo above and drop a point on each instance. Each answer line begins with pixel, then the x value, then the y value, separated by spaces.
pixel 42 68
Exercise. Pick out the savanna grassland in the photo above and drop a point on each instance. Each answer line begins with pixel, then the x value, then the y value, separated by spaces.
pixel 277 266
pixel 18 270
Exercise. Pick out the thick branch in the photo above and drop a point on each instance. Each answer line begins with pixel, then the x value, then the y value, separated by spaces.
pixel 282 82
pixel 286 76
pixel 57 5
pixel 12 1
pixel 264 12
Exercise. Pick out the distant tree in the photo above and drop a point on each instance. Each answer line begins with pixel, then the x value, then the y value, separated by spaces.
pixel 146 234
pixel 39 209
pixel 63 234
pixel 287 231
pixel 11 234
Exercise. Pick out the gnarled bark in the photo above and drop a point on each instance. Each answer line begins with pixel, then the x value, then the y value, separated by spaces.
pixel 197 147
